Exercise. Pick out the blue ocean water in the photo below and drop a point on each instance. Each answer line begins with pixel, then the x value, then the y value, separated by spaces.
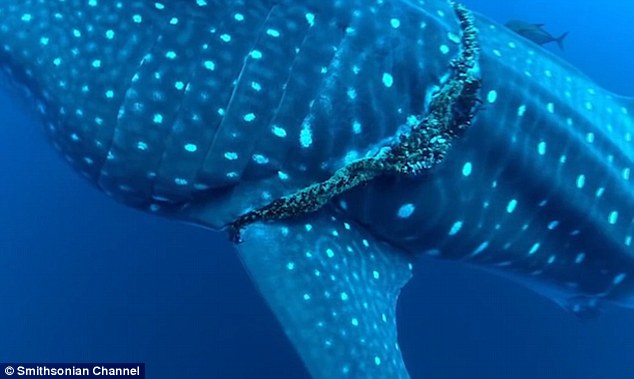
pixel 85 279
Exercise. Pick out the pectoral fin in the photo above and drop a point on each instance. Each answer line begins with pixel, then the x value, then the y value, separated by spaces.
pixel 334 290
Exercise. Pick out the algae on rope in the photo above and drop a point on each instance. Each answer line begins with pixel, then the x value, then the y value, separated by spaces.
pixel 451 112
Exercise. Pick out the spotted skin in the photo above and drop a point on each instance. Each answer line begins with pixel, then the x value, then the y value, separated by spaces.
pixel 199 107
pixel 539 189
pixel 336 301
pixel 202 110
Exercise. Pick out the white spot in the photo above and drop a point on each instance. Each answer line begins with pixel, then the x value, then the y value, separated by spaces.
pixel 273 33
pixel 619 278
pixel 467 169
pixel 453 37
pixel 260 159
pixel 209 65
pixel 306 135
pixel 350 157
pixel 231 156
pixel 280 132
pixel 257 87
pixel 510 207
pixel 310 18
pixel 492 96
pixel 356 127
pixel 388 80
pixel 480 248
pixel 406 210
pixel 455 228
pixel 534 249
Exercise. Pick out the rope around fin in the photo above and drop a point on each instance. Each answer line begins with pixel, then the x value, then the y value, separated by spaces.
pixel 451 112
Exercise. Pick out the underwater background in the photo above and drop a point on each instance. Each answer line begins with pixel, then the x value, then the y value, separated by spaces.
pixel 83 279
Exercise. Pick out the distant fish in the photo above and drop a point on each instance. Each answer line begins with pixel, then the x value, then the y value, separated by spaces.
pixel 535 33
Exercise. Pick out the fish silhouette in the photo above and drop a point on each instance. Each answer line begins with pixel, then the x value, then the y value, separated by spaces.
pixel 535 33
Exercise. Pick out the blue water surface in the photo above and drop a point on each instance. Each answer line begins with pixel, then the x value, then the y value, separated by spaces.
pixel 85 279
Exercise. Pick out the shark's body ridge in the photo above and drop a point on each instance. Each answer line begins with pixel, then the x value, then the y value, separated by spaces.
pixel 205 110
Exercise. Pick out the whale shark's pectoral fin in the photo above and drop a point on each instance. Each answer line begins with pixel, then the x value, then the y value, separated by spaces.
pixel 334 289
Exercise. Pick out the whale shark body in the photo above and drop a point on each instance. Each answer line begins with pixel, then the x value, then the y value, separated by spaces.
pixel 205 110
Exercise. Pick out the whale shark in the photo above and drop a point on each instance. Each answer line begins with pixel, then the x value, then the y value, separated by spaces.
pixel 340 142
